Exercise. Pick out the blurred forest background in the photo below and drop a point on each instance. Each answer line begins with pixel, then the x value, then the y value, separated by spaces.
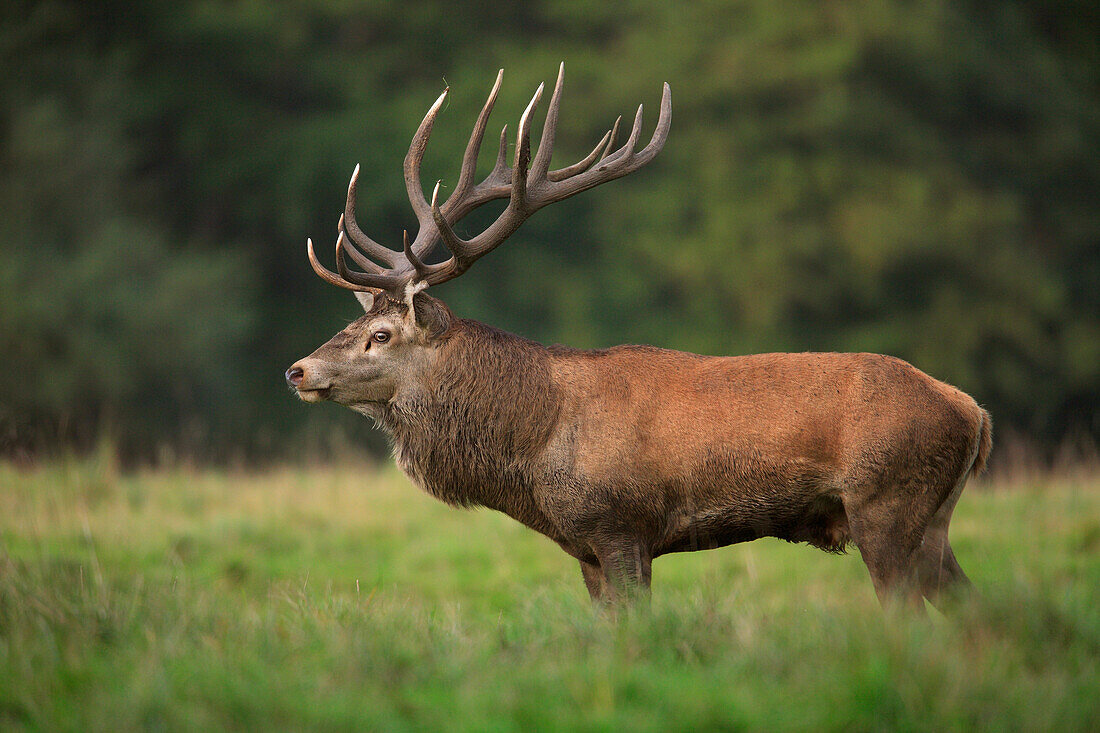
pixel 915 178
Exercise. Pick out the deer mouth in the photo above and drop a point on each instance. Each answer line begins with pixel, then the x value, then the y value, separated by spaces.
pixel 313 395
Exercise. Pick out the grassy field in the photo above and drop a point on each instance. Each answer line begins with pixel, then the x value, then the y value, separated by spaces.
pixel 345 599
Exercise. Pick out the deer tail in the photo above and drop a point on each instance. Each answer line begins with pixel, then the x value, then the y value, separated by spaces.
pixel 985 444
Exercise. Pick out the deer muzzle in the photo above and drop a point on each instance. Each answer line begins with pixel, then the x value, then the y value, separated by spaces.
pixel 308 383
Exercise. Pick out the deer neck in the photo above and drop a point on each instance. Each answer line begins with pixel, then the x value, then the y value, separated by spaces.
pixel 475 430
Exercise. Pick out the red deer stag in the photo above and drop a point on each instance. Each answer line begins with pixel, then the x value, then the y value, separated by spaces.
pixel 623 454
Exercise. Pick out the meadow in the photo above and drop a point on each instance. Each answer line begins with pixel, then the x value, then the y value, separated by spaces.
pixel 341 598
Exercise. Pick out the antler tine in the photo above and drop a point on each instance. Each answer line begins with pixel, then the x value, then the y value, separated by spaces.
pixel 356 235
pixel 500 168
pixel 410 253
pixel 328 275
pixel 341 265
pixel 469 159
pixel 412 164
pixel 461 257
pixel 660 132
pixel 614 134
pixel 523 152
pixel 541 164
pixel 356 255
pixel 635 131
pixel 627 149
pixel 496 185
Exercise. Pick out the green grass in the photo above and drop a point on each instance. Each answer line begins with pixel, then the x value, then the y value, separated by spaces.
pixel 345 599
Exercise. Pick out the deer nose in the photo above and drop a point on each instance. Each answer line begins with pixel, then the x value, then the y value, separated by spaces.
pixel 294 376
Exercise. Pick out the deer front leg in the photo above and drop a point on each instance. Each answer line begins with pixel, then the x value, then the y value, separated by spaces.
pixel 626 572
pixel 594 581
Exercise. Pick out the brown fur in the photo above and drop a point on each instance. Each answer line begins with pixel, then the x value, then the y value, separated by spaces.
pixel 624 454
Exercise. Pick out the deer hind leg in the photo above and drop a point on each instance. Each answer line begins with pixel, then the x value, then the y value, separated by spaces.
pixel 938 572
pixel 888 530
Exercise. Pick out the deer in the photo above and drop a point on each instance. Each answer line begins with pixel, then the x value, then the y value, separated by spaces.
pixel 621 455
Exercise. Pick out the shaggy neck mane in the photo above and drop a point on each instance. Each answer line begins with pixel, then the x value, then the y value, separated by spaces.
pixel 476 431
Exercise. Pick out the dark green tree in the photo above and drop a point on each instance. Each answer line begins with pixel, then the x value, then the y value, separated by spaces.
pixel 918 179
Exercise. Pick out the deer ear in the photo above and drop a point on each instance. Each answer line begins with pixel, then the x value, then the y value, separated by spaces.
pixel 365 299
pixel 432 315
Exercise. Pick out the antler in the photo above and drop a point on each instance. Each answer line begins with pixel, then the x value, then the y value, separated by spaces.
pixel 527 184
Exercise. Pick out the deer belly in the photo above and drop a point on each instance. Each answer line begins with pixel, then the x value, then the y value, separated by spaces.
pixel 819 521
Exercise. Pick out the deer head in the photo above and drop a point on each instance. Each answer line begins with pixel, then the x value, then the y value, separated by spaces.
pixel 379 356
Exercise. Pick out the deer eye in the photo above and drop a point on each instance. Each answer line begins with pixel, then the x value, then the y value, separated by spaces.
pixel 380 337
